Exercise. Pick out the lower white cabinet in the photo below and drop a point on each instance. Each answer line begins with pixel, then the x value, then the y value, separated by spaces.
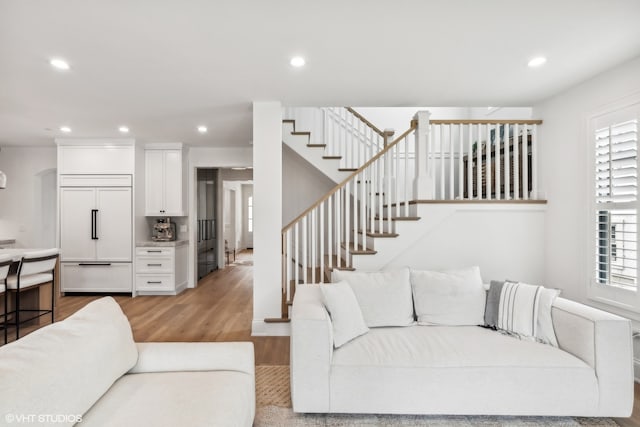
pixel 161 270
pixel 95 277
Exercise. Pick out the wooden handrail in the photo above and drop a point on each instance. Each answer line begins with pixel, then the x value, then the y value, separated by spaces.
pixel 485 122
pixel 366 122
pixel 414 125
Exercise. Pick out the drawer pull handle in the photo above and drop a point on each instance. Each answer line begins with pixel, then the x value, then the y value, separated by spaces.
pixel 89 264
pixel 154 252
pixel 152 282
pixel 154 265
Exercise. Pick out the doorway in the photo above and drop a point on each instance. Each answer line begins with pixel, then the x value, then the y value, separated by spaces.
pixel 206 207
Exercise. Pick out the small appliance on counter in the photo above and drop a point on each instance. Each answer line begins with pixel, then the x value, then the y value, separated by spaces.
pixel 164 231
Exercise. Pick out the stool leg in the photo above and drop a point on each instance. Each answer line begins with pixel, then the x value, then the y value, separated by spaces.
pixel 17 312
pixel 53 297
pixel 4 316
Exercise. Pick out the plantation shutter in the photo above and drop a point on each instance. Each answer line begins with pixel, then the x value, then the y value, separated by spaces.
pixel 616 191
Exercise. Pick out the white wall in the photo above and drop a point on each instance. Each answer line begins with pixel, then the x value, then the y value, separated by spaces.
pixel 28 205
pixel 505 242
pixel 302 184
pixel 564 170
pixel 267 203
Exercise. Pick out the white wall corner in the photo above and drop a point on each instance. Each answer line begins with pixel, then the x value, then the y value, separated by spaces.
pixel 267 205
pixel 259 328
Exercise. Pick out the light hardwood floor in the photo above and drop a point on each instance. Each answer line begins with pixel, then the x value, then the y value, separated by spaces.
pixel 219 309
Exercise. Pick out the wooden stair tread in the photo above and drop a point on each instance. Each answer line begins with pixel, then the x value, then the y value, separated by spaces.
pixel 379 234
pixel 347 169
pixel 359 250
pixel 276 320
pixel 332 157
pixel 316 145
pixel 400 218
pixel 306 133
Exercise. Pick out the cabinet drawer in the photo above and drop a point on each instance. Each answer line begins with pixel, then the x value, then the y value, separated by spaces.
pixel 89 277
pixel 155 282
pixel 155 251
pixel 154 264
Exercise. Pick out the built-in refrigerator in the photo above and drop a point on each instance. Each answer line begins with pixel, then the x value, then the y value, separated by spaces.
pixel 96 233
pixel 206 201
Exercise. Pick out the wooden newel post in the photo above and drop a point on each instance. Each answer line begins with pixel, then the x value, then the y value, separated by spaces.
pixel 423 181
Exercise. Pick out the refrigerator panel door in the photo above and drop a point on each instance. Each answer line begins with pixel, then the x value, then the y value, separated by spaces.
pixel 113 229
pixel 77 224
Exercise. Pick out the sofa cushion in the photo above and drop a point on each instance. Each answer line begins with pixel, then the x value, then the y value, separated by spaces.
pixel 384 296
pixel 64 368
pixel 453 297
pixel 346 317
pixel 437 367
pixel 211 398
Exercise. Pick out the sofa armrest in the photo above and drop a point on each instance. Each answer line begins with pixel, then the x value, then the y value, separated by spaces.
pixel 311 351
pixel 194 356
pixel 603 341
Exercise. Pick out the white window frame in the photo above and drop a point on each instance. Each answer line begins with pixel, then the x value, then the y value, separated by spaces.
pixel 615 296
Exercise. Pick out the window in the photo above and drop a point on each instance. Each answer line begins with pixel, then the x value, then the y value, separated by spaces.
pixel 615 206
pixel 250 214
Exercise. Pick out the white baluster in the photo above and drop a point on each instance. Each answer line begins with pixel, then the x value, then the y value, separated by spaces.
pixel 534 162
pixel 305 231
pixel 488 160
pixel 507 162
pixel 406 175
pixel 525 163
pixel 321 237
pixel 516 162
pixel 347 223
pixel 330 231
pixel 460 166
pixel 363 207
pixel 339 237
pixel 296 252
pixel 470 161
pixel 479 162
pixel 451 171
pixel 442 163
pixel 498 150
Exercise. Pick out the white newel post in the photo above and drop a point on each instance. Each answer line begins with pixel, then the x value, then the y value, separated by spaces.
pixel 423 181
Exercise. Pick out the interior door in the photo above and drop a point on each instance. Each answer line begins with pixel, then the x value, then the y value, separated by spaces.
pixel 77 206
pixel 113 224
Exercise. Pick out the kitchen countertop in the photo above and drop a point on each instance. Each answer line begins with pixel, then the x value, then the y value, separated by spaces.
pixel 7 241
pixel 172 244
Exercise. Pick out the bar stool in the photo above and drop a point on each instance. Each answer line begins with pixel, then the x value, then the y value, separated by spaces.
pixel 5 263
pixel 36 269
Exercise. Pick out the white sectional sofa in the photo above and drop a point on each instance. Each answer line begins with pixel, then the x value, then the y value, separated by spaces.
pixel 88 370
pixel 462 369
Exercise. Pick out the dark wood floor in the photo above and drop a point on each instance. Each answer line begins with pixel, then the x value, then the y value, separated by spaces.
pixel 219 309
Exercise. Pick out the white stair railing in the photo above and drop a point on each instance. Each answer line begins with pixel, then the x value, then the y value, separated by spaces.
pixel 483 159
pixel 342 223
pixel 346 133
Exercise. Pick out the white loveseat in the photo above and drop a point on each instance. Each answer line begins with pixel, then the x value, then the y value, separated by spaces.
pixel 462 369
pixel 88 370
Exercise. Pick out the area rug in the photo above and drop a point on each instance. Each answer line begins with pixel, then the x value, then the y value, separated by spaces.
pixel 273 396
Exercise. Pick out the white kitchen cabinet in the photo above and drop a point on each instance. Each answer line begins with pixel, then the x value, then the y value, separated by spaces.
pixel 165 170
pixel 161 270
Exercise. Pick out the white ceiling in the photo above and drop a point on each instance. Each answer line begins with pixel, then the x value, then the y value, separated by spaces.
pixel 163 67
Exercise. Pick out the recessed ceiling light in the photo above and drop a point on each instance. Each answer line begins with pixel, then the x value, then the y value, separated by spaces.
pixel 297 61
pixel 123 129
pixel 202 129
pixel 59 64
pixel 65 129
pixel 537 61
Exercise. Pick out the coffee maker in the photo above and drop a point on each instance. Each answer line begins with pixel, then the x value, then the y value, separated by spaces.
pixel 164 230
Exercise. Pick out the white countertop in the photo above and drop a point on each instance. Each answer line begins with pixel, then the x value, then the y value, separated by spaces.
pixel 172 244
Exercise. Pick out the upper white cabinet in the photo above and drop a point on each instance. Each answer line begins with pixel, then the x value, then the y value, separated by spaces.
pixel 95 156
pixel 165 170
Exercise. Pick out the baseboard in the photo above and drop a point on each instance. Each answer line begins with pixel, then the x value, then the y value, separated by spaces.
pixel 259 328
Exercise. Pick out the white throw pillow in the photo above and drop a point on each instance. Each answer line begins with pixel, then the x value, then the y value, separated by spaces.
pixel 452 298
pixel 384 296
pixel 346 316
pixel 545 331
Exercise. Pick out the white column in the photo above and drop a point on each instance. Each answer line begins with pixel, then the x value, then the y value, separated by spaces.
pixel 423 181
pixel 267 207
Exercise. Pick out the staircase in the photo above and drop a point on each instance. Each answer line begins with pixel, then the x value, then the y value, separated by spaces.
pixel 384 187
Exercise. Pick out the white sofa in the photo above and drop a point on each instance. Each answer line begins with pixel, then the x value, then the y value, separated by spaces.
pixel 462 369
pixel 88 370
